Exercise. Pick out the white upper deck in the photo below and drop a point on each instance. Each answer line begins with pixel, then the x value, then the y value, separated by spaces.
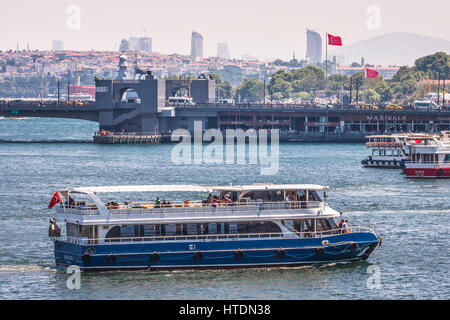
pixel 245 206
pixel 194 188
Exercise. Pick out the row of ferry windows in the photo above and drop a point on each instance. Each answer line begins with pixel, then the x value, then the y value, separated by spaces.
pixel 387 152
pixel 151 230
pixel 249 227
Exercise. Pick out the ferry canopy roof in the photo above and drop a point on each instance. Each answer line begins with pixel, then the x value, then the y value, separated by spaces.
pixel 195 188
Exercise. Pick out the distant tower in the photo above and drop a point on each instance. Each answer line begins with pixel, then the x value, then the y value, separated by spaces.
pixel 57 45
pixel 314 47
pixel 124 45
pixel 134 44
pixel 145 44
pixel 196 45
pixel 363 62
pixel 123 67
pixel 222 51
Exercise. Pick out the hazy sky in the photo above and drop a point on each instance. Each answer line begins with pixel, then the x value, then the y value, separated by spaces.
pixel 265 29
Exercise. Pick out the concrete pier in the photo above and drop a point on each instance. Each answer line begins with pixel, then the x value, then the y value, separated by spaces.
pixel 127 138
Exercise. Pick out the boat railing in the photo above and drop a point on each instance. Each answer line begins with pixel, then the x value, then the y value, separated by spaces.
pixel 195 207
pixel 384 145
pixel 440 164
pixel 213 237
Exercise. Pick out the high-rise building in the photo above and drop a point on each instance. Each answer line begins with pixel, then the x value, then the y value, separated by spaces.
pixel 57 45
pixel 222 51
pixel 134 44
pixel 145 44
pixel 313 47
pixel 196 45
pixel 124 45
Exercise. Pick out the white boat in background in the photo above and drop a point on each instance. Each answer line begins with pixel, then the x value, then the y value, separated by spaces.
pixel 390 151
pixel 429 157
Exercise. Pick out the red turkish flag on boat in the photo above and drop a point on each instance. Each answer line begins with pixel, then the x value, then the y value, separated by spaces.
pixel 55 199
pixel 334 41
pixel 371 74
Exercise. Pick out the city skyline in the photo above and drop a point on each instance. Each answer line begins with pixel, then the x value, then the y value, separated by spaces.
pixel 101 26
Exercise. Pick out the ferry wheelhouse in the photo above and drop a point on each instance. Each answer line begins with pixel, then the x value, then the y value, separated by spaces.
pixel 227 227
pixel 429 157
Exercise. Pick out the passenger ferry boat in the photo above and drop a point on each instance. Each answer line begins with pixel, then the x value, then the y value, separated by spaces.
pixel 260 225
pixel 429 157
pixel 389 151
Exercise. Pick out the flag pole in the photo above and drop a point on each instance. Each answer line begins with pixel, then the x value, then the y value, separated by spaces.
pixel 364 85
pixel 326 57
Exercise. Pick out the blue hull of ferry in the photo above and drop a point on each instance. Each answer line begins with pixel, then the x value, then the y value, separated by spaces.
pixel 217 254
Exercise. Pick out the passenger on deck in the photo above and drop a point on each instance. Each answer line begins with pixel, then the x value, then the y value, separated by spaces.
pixel 164 204
pixel 54 230
pixel 210 198
pixel 345 227
pixel 214 202
pixel 341 223
pixel 126 205
pixel 293 199
pixel 157 203
pixel 70 202
pixel 186 202
pixel 227 200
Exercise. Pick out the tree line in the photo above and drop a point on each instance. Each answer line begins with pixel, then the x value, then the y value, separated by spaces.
pixel 303 84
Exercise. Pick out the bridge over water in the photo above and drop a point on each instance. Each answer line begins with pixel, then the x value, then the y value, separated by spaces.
pixel 149 113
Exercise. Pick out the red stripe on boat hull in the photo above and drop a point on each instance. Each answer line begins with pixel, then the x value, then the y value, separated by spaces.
pixel 432 173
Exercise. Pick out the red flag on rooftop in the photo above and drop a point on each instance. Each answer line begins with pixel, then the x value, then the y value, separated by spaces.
pixel 55 199
pixel 371 74
pixel 334 41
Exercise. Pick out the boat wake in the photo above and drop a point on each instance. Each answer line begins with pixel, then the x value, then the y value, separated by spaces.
pixel 25 268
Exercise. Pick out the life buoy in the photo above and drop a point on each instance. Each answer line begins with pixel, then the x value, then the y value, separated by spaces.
pixel 198 256
pixel 440 172
pixel 111 259
pixel 238 255
pixel 155 257
pixel 281 253
pixel 319 251
pixel 86 258
pixel 325 242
